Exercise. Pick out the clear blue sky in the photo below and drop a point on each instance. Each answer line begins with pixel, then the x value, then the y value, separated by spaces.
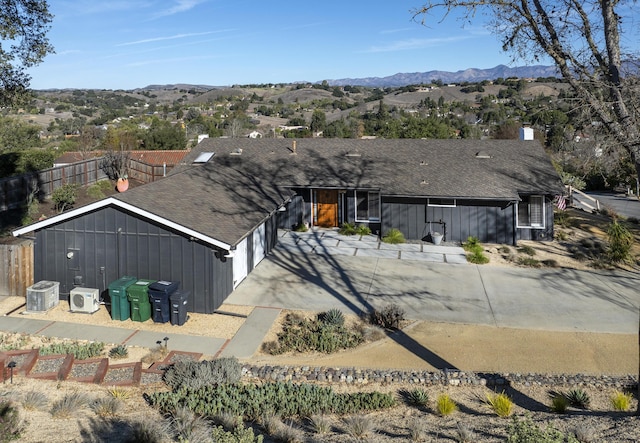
pixel 126 44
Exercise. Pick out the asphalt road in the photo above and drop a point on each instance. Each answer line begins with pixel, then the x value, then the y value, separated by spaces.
pixel 626 206
pixel 538 299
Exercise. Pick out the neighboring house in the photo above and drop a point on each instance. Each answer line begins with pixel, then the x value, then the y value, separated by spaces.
pixel 214 218
pixel 73 157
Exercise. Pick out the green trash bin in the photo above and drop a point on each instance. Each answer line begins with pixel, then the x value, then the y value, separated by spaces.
pixel 120 309
pixel 138 295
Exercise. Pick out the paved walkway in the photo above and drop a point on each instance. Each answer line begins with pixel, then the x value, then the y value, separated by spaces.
pixel 330 242
pixel 242 345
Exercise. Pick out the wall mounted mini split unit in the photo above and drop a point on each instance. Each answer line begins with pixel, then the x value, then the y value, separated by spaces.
pixel 85 300
pixel 43 296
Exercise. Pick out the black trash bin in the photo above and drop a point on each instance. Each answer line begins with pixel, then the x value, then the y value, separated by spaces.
pixel 159 293
pixel 179 301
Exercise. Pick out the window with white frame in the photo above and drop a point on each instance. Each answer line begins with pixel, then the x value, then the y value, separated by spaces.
pixel 442 202
pixel 531 212
pixel 367 206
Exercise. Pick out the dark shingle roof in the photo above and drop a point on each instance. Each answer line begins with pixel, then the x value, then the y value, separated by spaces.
pixel 248 179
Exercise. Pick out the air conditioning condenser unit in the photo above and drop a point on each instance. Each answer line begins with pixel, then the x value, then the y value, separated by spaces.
pixel 43 296
pixel 85 300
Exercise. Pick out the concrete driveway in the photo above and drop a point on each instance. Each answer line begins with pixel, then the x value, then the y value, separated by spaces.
pixel 543 299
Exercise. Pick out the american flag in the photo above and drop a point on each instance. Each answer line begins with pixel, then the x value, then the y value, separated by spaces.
pixel 561 202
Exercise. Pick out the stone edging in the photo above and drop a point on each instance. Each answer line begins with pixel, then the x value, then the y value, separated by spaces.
pixel 357 376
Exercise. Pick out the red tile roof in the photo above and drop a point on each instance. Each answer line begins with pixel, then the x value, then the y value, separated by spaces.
pixel 156 158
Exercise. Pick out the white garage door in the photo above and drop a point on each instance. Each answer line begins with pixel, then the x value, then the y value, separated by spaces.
pixel 240 263
pixel 259 244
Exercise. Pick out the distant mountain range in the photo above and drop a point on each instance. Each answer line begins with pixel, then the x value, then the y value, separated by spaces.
pixel 416 78
pixel 467 75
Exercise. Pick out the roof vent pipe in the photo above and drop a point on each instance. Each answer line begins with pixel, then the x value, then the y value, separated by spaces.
pixel 526 133
pixel 294 146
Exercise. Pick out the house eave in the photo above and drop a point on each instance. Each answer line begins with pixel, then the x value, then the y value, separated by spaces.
pixel 110 201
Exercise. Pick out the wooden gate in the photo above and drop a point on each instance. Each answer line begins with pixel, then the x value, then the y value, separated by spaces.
pixel 16 266
pixel 327 201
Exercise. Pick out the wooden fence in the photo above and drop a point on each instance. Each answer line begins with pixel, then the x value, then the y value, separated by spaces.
pixel 14 191
pixel 146 173
pixel 16 266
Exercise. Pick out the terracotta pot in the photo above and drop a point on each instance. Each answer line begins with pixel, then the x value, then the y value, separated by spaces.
pixel 122 184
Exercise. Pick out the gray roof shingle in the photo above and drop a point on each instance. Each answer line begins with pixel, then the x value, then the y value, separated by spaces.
pixel 247 179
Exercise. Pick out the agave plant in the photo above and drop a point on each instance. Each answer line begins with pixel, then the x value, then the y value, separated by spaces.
pixel 333 317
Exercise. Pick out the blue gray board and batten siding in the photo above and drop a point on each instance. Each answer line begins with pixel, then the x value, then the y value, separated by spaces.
pixel 110 243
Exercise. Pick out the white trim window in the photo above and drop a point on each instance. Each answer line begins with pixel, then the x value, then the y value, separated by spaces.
pixel 367 206
pixel 530 212
pixel 442 202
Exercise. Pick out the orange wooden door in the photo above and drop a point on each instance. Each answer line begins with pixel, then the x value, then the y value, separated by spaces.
pixel 327 208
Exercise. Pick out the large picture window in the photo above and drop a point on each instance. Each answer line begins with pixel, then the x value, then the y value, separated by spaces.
pixel 531 212
pixel 367 206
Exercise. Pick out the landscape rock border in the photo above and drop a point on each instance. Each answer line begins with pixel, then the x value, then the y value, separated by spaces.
pixel 359 376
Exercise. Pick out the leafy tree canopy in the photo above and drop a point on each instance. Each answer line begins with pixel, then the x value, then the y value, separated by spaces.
pixel 23 44
pixel 584 39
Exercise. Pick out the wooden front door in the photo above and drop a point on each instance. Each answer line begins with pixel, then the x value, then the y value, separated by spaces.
pixel 327 201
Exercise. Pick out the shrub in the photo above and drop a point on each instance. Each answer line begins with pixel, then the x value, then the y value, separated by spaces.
pixel 359 426
pixel 389 317
pixel 620 242
pixel 320 423
pixel 529 261
pixel 578 398
pixel 561 236
pixel 526 249
pixel 620 401
pixel 270 422
pixel 189 427
pixel 11 425
pixel 80 351
pixel 363 230
pixel 559 403
pixel 393 236
pixel 416 429
pixel 34 400
pixel 239 435
pixel 65 196
pixel 119 351
pixel 445 405
pixel 288 433
pixel 95 191
pixel 478 258
pixel 418 397
pixel 550 263
pixel 476 251
pixel 281 399
pixel 584 433
pixel 307 335
pixel 227 420
pixel 149 431
pixel 118 392
pixel 32 208
pixel 333 317
pixel 301 227
pixel 68 405
pixel 501 404
pixel 525 431
pixel 347 229
pixel 106 406
pixel 471 244
pixel 464 434
pixel 562 218
pixel 192 374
